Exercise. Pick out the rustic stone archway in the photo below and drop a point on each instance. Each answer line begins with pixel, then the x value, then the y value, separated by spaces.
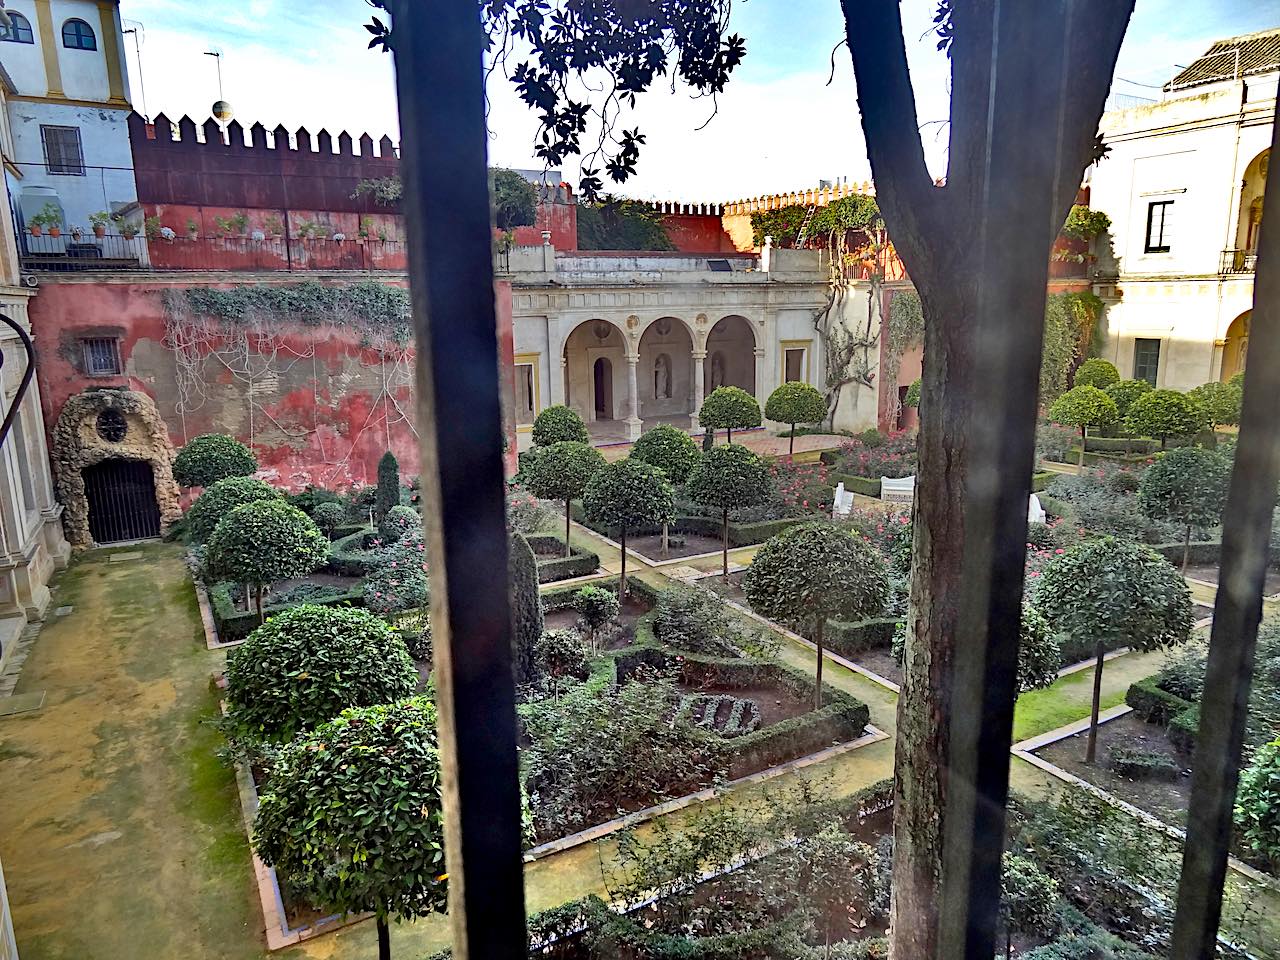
pixel 103 424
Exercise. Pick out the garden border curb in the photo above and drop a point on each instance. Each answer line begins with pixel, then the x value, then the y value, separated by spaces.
pixel 211 640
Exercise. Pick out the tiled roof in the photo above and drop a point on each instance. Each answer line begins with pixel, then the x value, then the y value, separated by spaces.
pixel 1258 53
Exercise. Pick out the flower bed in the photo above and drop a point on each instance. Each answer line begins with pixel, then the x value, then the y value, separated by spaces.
pixel 234 624
pixel 741 533
pixel 553 565
pixel 354 555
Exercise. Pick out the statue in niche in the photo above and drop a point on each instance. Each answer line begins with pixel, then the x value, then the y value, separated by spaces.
pixel 717 370
pixel 662 377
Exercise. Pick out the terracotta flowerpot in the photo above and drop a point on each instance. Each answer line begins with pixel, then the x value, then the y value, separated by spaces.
pixel 99 231
pixel 35 229
pixel 55 231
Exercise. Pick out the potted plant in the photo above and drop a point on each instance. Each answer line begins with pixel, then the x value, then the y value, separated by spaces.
pixel 272 226
pixel 151 225
pixel 49 217
pixel 239 222
pixel 127 228
pixel 77 233
pixel 193 228
pixel 99 222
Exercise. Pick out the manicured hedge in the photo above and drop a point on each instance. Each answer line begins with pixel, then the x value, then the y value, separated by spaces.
pixel 347 529
pixel 867 486
pixel 1139 446
pixel 559 567
pixel 561 598
pixel 1075 650
pixel 348 557
pixel 1055 507
pixel 234 624
pixel 740 534
pixel 850 639
pixel 1138 764
pixel 1152 703
pixel 1203 553
pixel 1183 728
pixel 1041 479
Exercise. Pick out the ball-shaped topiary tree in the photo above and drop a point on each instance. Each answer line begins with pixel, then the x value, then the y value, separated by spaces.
pixel 307 664
pixel 1257 811
pixel 627 494
pixel 562 471
pixel 265 541
pixel 328 517
pixel 526 608
pixel 1124 392
pixel 210 457
pixel 397 522
pixel 1186 486
pixel 912 399
pixel 1219 403
pixel 1083 406
pixel 388 494
pixel 674 452
pixel 1117 593
pixel 794 403
pixel 728 478
pixel 815 572
pixel 1028 900
pixel 596 608
pixel 1163 414
pixel 1096 372
pixel 729 409
pixel 352 814
pixel 220 499
pixel 557 423
pixel 561 654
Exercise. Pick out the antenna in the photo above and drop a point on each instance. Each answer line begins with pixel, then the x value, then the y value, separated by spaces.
pixel 217 56
pixel 221 109
pixel 138 30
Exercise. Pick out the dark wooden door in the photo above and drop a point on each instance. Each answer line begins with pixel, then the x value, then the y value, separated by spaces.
pixel 122 501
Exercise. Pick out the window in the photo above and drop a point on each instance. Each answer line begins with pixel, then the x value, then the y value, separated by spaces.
pixel 1159 226
pixel 18 30
pixel 101 356
pixel 794 364
pixel 1146 360
pixel 62 153
pixel 525 399
pixel 78 35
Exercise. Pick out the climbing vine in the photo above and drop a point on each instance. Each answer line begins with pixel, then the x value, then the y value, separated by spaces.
pixel 1070 332
pixel 855 212
pixel 904 329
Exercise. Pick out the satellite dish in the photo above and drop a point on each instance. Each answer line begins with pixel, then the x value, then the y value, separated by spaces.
pixel 222 111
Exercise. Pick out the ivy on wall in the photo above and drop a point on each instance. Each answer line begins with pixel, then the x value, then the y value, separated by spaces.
pixel 1070 333
pixel 855 212
pixel 904 329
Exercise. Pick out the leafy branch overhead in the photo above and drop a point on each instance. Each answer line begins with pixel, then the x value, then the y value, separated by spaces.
pixel 547 48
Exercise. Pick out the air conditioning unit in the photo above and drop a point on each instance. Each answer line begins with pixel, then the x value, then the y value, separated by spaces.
pixel 30 280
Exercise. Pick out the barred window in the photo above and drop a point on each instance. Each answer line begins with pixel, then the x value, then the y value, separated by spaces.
pixel 101 356
pixel 62 151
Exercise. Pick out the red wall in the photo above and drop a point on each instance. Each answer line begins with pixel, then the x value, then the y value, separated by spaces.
pixel 698 233
pixel 322 421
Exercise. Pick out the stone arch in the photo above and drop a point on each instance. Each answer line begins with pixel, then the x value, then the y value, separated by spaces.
pixel 1251 192
pixel 587 342
pixel 731 355
pixel 1235 349
pixel 666 361
pixel 78 443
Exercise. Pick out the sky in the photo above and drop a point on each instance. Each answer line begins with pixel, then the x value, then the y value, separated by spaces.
pixel 779 125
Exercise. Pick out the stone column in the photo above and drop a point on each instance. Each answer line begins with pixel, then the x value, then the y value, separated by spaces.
pixel 634 424
pixel 699 385
pixel 555 362
pixel 763 388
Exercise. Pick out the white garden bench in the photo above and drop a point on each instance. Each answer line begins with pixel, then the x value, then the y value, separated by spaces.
pixel 897 491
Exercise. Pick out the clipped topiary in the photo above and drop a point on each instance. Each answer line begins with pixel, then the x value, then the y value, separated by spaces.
pixel 1163 414
pixel 558 423
pixel 210 457
pixel 265 541
pixel 560 654
pixel 328 517
pixel 1096 372
pixel 596 608
pixel 794 403
pixel 1083 406
pixel 729 409
pixel 363 792
pixel 388 495
pixel 562 472
pixel 815 572
pixel 1186 486
pixel 1028 900
pixel 668 448
pixel 399 520
pixel 1219 403
pixel 307 664
pixel 627 494
pixel 1124 392
pixel 220 499
pixel 526 608
pixel 728 478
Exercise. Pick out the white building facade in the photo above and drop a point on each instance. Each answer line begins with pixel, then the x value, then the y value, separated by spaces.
pixel 633 340
pixel 1182 183
pixel 67 113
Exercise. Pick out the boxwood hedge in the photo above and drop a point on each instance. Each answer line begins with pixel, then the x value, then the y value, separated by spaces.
pixel 234 624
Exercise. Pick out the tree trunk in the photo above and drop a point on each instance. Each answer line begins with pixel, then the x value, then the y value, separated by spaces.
pixel 724 530
pixel 1091 751
pixel 384 939
pixel 791 447
pixel 568 550
pixel 666 537
pixel 257 592
pixel 622 577
pixel 1186 549
pixel 817 686
pixel 1084 442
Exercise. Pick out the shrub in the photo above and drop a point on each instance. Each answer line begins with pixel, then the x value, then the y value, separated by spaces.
pixel 912 399
pixel 388 494
pixel 399 580
pixel 793 403
pixel 628 494
pixel 397 522
pixel 725 479
pixel 360 504
pixel 1219 403
pixel 1163 414
pixel 1257 810
pixel 414 628
pixel 668 448
pixel 799 489
pixel 265 541
pixel 1039 652
pixel 526 608
pixel 596 608
pixel 560 654
pixel 562 471
pixel 1101 505
pixel 1124 392
pixel 1187 486
pixel 558 423
pixel 815 572
pixel 363 791
pixel 1028 898
pixel 729 409
pixel 328 517
pixel 1083 406
pixel 220 498
pixel 1096 372
pixel 1138 764
pixel 687 618
pixel 310 499
pixel 893 457
pixel 206 459
pixel 1054 442
pixel 526 514
pixel 307 664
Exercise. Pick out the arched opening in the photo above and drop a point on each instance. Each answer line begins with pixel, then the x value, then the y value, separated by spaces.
pixel 666 365
pixel 1235 351
pixel 1251 191
pixel 731 356
pixel 122 500
pixel 591 388
pixel 602 388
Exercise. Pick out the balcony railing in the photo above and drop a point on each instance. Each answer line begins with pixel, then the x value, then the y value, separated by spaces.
pixel 1237 261
pixel 65 254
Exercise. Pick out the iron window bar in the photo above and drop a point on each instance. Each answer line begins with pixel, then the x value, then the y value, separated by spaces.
pixel 438 51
